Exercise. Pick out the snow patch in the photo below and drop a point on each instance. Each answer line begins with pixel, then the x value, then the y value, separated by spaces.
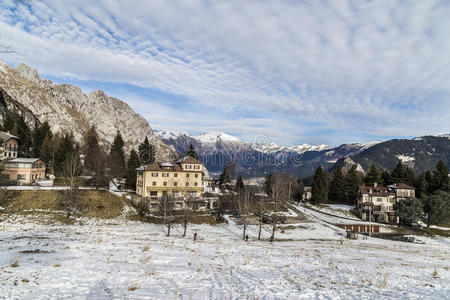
pixel 405 158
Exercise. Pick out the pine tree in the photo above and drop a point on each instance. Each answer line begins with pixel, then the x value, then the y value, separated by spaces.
pixel 94 155
pixel 8 122
pixel 410 176
pixel 429 179
pixel 240 186
pixel 39 134
pixel 191 152
pixel 386 177
pixel 373 176
pixel 132 164
pixel 47 149
pixel 117 157
pixel 319 187
pixel 24 133
pixel 408 210
pixel 437 208
pixel 337 185
pixel 66 150
pixel 228 173
pixel 421 186
pixel 352 182
pixel 399 175
pixel 146 152
pixel 440 176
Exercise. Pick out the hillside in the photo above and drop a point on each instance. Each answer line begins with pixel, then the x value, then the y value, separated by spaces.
pixel 91 203
pixel 421 153
pixel 67 108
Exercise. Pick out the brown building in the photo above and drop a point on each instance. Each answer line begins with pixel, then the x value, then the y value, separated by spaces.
pixel 24 170
pixel 380 200
pixel 9 145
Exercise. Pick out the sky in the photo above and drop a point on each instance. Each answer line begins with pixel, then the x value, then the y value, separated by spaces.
pixel 292 72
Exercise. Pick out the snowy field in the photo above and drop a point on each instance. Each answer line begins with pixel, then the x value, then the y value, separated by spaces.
pixel 132 260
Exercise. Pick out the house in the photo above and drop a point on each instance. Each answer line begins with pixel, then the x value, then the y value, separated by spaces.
pixel 403 191
pixel 9 145
pixel 380 200
pixel 210 185
pixel 307 193
pixel 24 170
pixel 179 180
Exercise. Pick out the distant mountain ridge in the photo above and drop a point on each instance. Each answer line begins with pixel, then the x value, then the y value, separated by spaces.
pixel 68 109
pixel 256 160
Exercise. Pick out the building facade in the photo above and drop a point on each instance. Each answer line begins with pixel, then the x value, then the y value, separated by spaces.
pixel 179 180
pixel 378 201
pixel 24 170
pixel 9 145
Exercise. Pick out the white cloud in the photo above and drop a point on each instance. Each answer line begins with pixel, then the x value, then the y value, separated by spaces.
pixel 370 68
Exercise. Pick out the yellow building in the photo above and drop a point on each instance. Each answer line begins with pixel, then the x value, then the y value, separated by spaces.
pixel 182 178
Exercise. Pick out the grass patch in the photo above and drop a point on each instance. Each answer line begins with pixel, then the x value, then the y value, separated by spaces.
pixel 92 203
pixel 435 231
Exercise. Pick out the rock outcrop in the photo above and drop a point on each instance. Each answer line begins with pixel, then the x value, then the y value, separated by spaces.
pixel 68 109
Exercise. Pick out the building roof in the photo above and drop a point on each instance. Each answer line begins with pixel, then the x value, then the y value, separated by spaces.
pixel 170 166
pixel 380 191
pixel 24 160
pixel 161 167
pixel 402 186
pixel 188 160
pixel 5 136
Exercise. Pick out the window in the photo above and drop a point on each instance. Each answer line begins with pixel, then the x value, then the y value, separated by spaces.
pixel 196 176
pixel 392 200
pixel 197 167
pixel 187 183
pixel 187 167
pixel 175 175
pixel 196 183
pixel 153 193
pixel 155 174
pixel 175 183
pixel 154 183
pixel 21 177
pixel 165 174
pixel 165 183
pixel 187 175
pixel 379 199
pixel 175 193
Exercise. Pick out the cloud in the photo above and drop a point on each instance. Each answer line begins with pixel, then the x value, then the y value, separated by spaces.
pixel 316 71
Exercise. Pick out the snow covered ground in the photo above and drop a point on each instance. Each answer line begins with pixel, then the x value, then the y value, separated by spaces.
pixel 124 259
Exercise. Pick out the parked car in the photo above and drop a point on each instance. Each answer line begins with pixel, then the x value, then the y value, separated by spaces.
pixel 412 239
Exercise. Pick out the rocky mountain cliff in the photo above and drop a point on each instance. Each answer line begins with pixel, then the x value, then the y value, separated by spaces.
pixel 68 109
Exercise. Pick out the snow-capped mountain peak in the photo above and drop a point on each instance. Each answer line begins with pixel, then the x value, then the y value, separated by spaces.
pixel 167 135
pixel 214 137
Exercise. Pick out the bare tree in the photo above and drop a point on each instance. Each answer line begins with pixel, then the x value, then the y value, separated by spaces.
pixel 280 195
pixel 243 206
pixel 187 214
pixel 166 209
pixel 259 209
pixel 71 166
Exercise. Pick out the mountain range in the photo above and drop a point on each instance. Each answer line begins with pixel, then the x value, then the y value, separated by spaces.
pixel 260 159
